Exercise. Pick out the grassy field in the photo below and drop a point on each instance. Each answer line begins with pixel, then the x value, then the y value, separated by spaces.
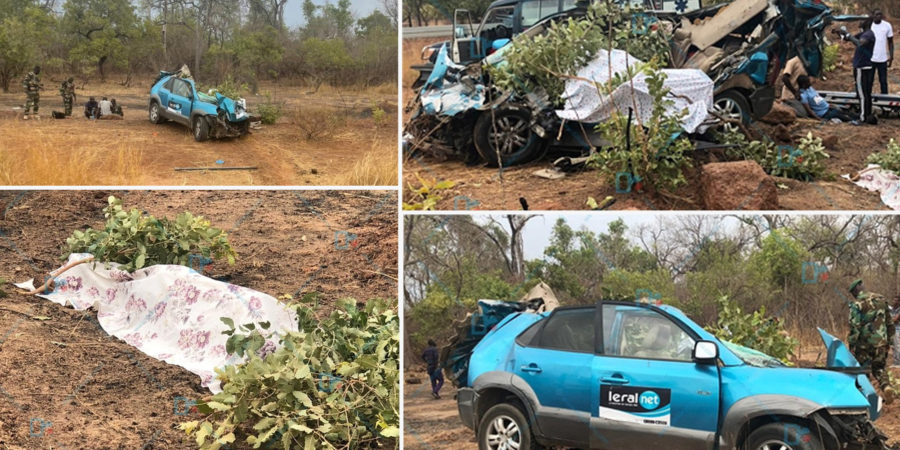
pixel 335 136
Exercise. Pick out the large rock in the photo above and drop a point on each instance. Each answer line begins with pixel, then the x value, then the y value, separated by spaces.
pixel 741 185
pixel 780 114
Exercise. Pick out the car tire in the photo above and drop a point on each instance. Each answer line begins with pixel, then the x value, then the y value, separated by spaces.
pixel 502 424
pixel 732 104
pixel 200 129
pixel 154 113
pixel 519 144
pixel 783 436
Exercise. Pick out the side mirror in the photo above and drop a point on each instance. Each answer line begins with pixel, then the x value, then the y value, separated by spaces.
pixel 705 352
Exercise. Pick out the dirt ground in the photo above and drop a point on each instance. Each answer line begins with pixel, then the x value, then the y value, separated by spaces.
pixel 64 383
pixel 430 424
pixel 136 152
pixel 478 187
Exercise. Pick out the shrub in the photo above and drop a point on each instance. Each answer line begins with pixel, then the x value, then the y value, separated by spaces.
pixel 889 159
pixel 334 383
pixel 754 330
pixel 426 197
pixel 137 240
pixel 830 57
pixel 231 87
pixel 270 111
pixel 657 156
pixel 804 162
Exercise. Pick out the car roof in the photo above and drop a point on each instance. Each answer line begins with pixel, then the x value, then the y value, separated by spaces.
pixel 499 3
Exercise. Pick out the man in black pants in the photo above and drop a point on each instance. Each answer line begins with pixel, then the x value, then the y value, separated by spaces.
pixel 863 70
pixel 434 368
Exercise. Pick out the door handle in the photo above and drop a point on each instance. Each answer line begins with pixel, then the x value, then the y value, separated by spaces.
pixel 531 368
pixel 615 379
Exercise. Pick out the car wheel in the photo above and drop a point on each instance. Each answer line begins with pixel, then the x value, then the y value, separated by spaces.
pixel 731 104
pixel 504 427
pixel 201 129
pixel 155 116
pixel 507 131
pixel 783 436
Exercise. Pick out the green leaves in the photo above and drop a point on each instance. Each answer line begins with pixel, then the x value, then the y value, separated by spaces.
pixel 334 383
pixel 755 330
pixel 889 159
pixel 136 240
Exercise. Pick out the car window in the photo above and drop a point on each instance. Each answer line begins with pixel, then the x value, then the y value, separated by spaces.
pixel 643 333
pixel 570 330
pixel 168 84
pixel 535 10
pixel 498 23
pixel 181 88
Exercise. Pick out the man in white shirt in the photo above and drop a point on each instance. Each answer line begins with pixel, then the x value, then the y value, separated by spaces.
pixel 105 107
pixel 883 54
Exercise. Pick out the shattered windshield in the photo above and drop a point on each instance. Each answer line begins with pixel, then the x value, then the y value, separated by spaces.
pixel 752 357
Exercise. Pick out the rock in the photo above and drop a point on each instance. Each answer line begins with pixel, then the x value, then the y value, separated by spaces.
pixel 831 142
pixel 782 134
pixel 740 185
pixel 780 114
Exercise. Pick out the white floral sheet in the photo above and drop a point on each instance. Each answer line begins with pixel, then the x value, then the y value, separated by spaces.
pixel 169 312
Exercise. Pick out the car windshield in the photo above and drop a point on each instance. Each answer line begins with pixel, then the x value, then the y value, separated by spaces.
pixel 752 357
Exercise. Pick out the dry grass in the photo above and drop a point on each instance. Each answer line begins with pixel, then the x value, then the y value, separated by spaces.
pixel 32 157
pixel 373 169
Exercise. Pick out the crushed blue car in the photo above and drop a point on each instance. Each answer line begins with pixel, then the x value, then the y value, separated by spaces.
pixel 175 97
pixel 631 375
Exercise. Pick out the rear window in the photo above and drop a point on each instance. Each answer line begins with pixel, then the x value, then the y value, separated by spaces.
pixel 569 330
pixel 535 10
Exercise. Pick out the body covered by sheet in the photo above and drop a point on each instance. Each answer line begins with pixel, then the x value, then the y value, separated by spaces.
pixel 448 91
pixel 883 181
pixel 690 89
pixel 170 312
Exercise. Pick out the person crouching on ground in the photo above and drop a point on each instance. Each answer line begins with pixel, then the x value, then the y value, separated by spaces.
pixel 815 105
pixel 430 355
pixel 108 110
pixel 117 108
pixel 91 109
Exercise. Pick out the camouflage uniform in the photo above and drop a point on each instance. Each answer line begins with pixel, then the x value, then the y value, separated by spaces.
pixel 32 85
pixel 67 90
pixel 870 336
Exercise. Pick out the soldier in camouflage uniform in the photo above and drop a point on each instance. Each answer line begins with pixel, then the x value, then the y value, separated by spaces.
pixel 32 85
pixel 871 329
pixel 67 90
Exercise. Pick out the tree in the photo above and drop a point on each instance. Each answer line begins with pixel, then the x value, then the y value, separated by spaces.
pixel 101 30
pixel 20 38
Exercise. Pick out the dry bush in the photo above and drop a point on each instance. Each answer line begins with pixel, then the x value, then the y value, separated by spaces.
pixel 31 157
pixel 317 123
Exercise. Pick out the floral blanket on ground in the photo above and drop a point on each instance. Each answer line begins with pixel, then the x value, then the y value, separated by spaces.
pixel 170 312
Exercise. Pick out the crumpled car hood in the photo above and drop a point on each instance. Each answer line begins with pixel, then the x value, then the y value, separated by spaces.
pixel 840 357
pixel 447 92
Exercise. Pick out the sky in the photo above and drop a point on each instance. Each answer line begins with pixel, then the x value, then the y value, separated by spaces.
pixel 293 12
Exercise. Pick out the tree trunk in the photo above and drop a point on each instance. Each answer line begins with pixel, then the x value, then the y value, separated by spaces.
pixel 100 68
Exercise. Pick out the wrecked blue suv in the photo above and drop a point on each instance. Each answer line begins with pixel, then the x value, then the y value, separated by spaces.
pixel 174 96
pixel 624 375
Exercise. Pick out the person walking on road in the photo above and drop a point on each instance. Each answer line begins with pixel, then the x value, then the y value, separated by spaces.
pixel 863 70
pixel 871 329
pixel 883 53
pixel 430 355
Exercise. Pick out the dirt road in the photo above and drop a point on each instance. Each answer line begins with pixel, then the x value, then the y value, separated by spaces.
pixel 136 152
pixel 64 383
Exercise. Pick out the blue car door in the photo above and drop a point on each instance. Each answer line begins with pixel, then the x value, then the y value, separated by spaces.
pixel 179 102
pixel 554 358
pixel 647 390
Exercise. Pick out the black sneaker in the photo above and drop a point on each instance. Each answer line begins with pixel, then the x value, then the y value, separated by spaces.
pixel 435 395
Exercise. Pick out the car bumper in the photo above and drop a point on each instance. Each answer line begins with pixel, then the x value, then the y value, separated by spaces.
pixel 465 402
